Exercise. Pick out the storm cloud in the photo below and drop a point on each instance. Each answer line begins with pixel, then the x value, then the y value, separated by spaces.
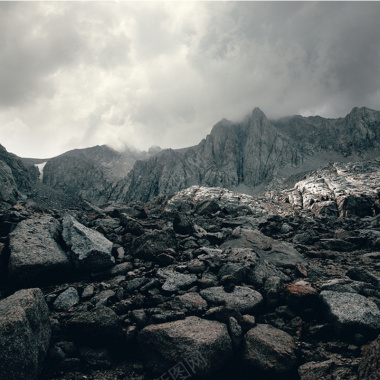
pixel 77 74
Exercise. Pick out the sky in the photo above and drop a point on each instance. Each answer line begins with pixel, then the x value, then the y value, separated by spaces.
pixel 141 74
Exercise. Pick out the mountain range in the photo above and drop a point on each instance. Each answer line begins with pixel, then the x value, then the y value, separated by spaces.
pixel 247 156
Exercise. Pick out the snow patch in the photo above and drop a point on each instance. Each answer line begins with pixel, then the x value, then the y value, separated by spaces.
pixel 41 170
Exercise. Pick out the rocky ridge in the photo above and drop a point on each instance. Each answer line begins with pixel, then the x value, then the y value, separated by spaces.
pixel 206 283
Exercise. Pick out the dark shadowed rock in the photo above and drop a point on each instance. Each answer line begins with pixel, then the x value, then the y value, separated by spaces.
pixel 166 345
pixel 269 350
pixel 90 250
pixel 34 252
pixel 24 335
pixel 369 366
pixel 315 370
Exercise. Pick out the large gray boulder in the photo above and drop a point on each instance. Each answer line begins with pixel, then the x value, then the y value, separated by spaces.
pixel 90 249
pixel 24 335
pixel 270 350
pixel 351 312
pixel 199 346
pixel 35 254
pixel 242 299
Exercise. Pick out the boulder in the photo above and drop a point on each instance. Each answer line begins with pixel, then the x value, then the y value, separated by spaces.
pixel 90 250
pixel 351 312
pixel 177 281
pixel 269 350
pixel 242 299
pixel 24 335
pixel 35 255
pixel 66 299
pixel 197 346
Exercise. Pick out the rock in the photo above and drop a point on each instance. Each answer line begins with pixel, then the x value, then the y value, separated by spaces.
pixel 35 255
pixel 235 331
pixel 100 326
pixel 24 335
pixel 191 301
pixel 361 274
pixel 269 350
pixel 200 346
pixel 369 366
pixel 66 299
pixel 277 252
pixel 196 266
pixel 315 370
pixel 182 225
pixel 338 245
pixel 242 299
pixel 273 290
pixel 90 250
pixel 104 297
pixel 222 314
pixel 177 281
pixel 351 312
pixel 301 294
pixel 88 291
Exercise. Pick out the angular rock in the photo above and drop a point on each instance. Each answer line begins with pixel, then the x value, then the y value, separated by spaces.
pixel 369 366
pixel 269 350
pixel 351 312
pixel 99 326
pixel 315 370
pixel 66 299
pixel 177 281
pixel 90 250
pixel 35 255
pixel 202 346
pixel 24 335
pixel 242 299
pixel 191 301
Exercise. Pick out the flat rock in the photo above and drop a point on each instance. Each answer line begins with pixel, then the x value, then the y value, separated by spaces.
pixel 90 249
pixel 35 255
pixel 177 281
pixel 24 335
pixel 351 311
pixel 199 346
pixel 242 299
pixel 269 350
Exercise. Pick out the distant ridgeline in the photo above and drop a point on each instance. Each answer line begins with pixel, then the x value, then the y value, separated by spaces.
pixel 249 156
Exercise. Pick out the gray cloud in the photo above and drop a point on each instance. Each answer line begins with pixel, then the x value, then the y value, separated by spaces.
pixel 162 73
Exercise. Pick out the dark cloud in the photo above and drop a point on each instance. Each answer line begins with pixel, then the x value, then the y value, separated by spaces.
pixel 76 74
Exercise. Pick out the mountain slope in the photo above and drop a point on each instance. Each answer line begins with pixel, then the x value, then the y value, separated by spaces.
pixel 255 152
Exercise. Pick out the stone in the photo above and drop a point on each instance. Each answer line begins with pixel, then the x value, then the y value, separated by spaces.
pixel 24 335
pixel 337 245
pixel 99 326
pixel 269 350
pixel 301 294
pixel 90 250
pixel 190 301
pixel 35 255
pixel 369 366
pixel 351 312
pixel 191 340
pixel 242 299
pixel 177 281
pixel 315 370
pixel 66 299
pixel 361 274
pixel 236 332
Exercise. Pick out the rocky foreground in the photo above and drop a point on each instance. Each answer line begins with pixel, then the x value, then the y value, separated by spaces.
pixel 206 283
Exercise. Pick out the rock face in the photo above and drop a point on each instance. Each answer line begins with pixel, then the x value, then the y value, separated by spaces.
pixel 369 367
pixel 90 250
pixel 269 350
pixel 201 346
pixel 15 178
pixel 24 335
pixel 35 254
pixel 250 153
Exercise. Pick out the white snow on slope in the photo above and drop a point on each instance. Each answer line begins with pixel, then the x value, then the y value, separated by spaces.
pixel 41 169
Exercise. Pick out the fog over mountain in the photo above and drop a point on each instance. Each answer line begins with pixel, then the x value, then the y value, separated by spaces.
pixel 75 75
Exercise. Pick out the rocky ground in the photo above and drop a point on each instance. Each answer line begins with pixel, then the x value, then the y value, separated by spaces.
pixel 203 284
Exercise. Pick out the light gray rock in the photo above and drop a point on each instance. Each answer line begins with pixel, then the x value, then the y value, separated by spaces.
pixel 177 281
pixel 242 299
pixel 24 335
pixel 90 249
pixel 269 350
pixel 202 346
pixel 35 255
pixel 66 299
pixel 351 312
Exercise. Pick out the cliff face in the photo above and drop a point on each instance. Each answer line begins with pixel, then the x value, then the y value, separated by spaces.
pixel 257 151
pixel 15 178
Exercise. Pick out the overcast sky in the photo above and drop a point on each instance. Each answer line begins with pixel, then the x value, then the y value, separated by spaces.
pixel 74 75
